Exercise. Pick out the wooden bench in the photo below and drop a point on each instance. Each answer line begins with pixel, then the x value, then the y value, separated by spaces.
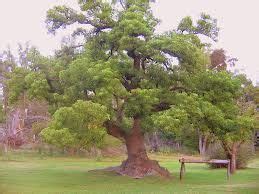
pixel 214 161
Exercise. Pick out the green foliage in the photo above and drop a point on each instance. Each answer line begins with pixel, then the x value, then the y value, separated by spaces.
pixel 171 120
pixel 37 86
pixel 37 127
pixel 16 84
pixel 106 74
pixel 77 126
pixel 211 107
pixel 127 71
pixel 206 25
pixel 23 81
pixel 140 102
pixel 2 114
pixel 218 87
pixel 61 138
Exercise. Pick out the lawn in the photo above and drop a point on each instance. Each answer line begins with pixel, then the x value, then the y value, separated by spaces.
pixel 58 175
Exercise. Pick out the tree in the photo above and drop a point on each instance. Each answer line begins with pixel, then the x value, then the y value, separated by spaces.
pixel 128 69
pixel 7 64
pixel 218 105
pixel 228 117
pixel 26 79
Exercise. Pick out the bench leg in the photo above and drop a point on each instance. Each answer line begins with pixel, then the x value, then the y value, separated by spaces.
pixel 182 170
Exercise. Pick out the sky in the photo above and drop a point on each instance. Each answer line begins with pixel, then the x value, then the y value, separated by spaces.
pixel 23 20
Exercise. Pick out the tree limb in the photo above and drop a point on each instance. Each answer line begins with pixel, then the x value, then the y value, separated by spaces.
pixel 114 130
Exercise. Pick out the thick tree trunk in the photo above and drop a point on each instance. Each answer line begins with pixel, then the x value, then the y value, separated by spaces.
pixel 233 165
pixel 203 141
pixel 231 152
pixel 138 165
pixel 202 144
pixel 233 159
pixel 156 142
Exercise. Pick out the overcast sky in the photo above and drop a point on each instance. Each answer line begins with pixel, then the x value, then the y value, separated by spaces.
pixel 23 20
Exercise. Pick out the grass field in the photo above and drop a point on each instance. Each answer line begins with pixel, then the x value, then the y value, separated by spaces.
pixel 42 175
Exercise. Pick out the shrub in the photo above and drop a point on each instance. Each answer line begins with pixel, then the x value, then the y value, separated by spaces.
pixel 244 155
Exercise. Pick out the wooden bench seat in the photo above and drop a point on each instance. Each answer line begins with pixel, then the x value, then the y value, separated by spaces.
pixel 213 161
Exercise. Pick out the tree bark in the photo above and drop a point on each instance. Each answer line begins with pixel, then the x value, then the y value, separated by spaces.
pixel 233 159
pixel 137 165
pixel 156 142
pixel 231 152
pixel 202 144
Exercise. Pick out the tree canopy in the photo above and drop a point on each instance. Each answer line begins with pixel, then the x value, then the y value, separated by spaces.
pixel 130 80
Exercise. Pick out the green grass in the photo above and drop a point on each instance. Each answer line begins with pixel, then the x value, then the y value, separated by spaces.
pixel 31 174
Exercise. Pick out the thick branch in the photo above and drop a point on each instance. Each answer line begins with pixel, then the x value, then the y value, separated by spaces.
pixel 161 107
pixel 114 130
pixel 126 83
pixel 177 88
pixel 226 148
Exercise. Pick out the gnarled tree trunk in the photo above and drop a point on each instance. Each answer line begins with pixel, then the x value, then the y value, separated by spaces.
pixel 137 165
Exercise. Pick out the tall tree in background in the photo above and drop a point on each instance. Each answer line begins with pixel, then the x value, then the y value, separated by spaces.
pixel 128 69
pixel 7 64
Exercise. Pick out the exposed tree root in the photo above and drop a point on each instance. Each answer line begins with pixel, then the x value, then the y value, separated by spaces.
pixel 142 168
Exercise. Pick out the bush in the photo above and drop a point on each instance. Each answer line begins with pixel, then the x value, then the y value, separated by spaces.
pixel 244 155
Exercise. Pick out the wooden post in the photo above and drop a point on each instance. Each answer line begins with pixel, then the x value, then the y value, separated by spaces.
pixel 213 161
pixel 182 168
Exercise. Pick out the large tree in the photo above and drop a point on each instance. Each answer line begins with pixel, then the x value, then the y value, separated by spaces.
pixel 128 68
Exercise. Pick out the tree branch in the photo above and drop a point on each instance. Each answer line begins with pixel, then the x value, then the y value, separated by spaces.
pixel 114 130
pixel 161 107
pixel 225 147
pixel 122 5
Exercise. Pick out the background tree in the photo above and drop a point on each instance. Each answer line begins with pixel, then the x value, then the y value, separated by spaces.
pixel 218 106
pixel 27 78
pixel 79 126
pixel 7 64
pixel 229 121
